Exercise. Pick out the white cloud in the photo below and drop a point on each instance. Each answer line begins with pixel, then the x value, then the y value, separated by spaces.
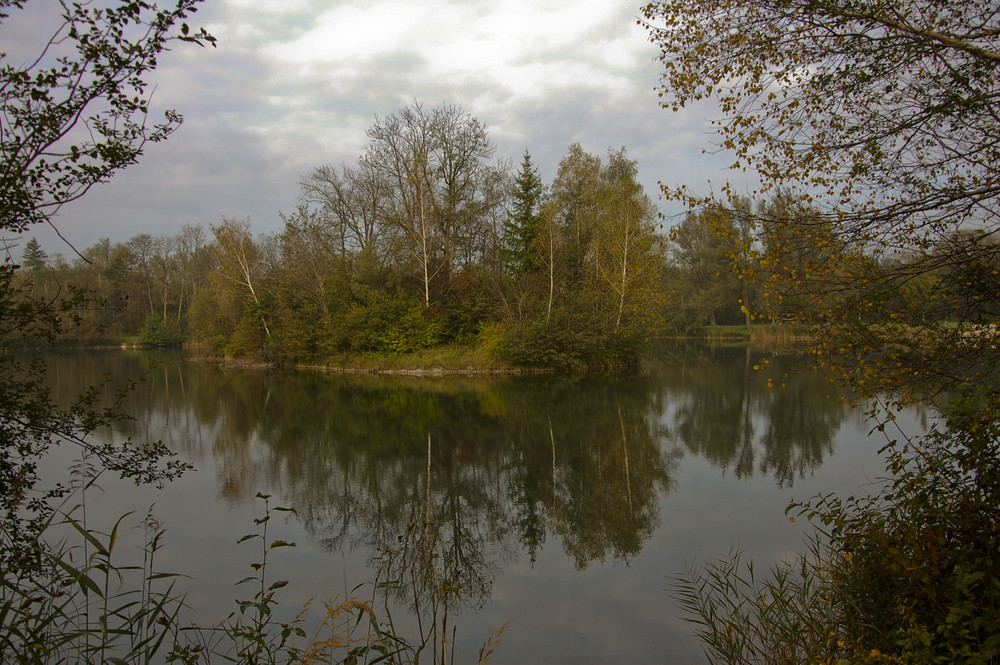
pixel 349 32
pixel 557 25
pixel 501 41
pixel 270 6
pixel 295 83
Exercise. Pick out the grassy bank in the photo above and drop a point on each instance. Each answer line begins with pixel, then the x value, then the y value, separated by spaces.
pixel 452 359
pixel 761 333
pixel 476 359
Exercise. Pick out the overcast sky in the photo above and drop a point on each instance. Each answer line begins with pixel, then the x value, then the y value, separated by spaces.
pixel 294 84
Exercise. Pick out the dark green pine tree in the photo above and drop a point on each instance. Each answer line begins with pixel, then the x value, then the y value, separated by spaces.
pixel 522 224
pixel 34 257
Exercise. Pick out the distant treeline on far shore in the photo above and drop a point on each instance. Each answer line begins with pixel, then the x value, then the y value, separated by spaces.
pixel 428 241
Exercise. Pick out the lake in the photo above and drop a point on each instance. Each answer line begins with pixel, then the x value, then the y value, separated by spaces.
pixel 563 504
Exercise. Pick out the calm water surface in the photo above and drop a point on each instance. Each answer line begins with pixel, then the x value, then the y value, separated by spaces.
pixel 561 503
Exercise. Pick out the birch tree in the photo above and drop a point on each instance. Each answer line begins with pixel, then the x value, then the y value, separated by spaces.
pixel 548 251
pixel 627 255
pixel 238 263
pixel 574 193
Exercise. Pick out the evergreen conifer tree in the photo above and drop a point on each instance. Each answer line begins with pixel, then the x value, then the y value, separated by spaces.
pixel 34 257
pixel 523 222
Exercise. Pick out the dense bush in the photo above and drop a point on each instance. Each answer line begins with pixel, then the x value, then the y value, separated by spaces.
pixel 572 338
pixel 157 332
pixel 919 563
pixel 390 323
pixel 464 309
pixel 908 574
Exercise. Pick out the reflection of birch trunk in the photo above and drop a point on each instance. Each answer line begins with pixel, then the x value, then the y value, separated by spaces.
pixel 440 582
pixel 166 387
pixel 744 467
pixel 427 499
pixel 628 477
pixel 552 438
pixel 747 419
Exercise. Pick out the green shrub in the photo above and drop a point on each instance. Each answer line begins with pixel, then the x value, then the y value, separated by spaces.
pixel 541 344
pixel 157 332
pixel 491 337
pixel 465 308
pixel 391 323
pixel 246 339
pixel 919 563
pixel 571 338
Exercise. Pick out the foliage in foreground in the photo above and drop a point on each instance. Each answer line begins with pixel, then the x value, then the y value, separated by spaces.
pixel 873 126
pixel 87 604
pixel 31 423
pixel 908 574
pixel 75 112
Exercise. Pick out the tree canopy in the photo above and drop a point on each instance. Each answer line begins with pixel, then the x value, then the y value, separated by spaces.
pixel 881 118
pixel 78 112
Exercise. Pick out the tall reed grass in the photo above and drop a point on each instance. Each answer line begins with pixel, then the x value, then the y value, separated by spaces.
pixel 88 603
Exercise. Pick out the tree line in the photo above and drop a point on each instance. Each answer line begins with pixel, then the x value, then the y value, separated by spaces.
pixel 427 239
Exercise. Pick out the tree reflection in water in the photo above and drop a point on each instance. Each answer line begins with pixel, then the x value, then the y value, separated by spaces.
pixel 447 482
pixel 436 566
pixel 756 419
